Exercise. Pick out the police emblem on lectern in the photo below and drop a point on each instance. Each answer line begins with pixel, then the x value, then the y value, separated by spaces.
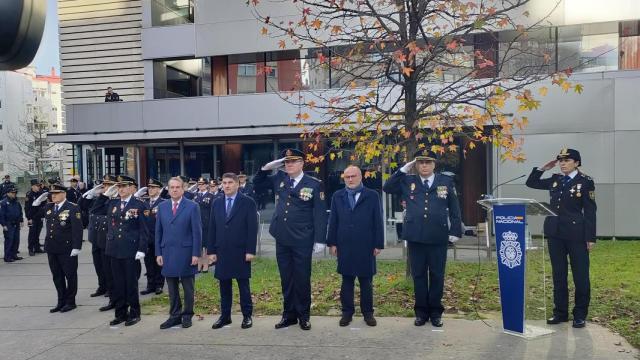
pixel 510 251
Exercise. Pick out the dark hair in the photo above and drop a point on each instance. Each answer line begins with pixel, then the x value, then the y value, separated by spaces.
pixel 230 175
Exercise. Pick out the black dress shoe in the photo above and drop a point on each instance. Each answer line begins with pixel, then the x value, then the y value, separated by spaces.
pixel 108 307
pixel 186 323
pixel 556 320
pixel 370 320
pixel 32 253
pixel 18 258
pixel 107 294
pixel 284 322
pixel 116 321
pixel 170 323
pixel 247 322
pixel 39 251
pixel 158 291
pixel 56 309
pixel 420 321
pixel 578 323
pixel 9 260
pixel 67 308
pixel 132 321
pixel 305 324
pixel 98 292
pixel 345 320
pixel 147 291
pixel 221 322
pixel 437 322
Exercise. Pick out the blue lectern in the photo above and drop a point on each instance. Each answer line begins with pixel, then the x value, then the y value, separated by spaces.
pixel 510 227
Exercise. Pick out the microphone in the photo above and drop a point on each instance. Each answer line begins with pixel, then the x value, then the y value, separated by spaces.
pixel 491 196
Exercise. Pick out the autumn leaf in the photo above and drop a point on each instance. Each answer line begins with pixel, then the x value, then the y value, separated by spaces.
pixel 336 29
pixel 282 44
pixel 578 88
pixel 264 31
pixel 452 46
pixel 407 71
pixel 543 91
pixel 316 24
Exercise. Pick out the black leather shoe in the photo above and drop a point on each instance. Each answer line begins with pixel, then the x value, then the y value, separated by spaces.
pixel 39 251
pixel 32 253
pixel 420 321
pixel 345 320
pixel 147 291
pixel 108 307
pixel 370 320
pixel 107 294
pixel 556 320
pixel 284 322
pixel 170 323
pixel 18 258
pixel 56 309
pixel 158 291
pixel 9 260
pixel 132 321
pixel 186 323
pixel 246 322
pixel 67 308
pixel 98 292
pixel 437 322
pixel 221 322
pixel 305 325
pixel 116 321
pixel 579 323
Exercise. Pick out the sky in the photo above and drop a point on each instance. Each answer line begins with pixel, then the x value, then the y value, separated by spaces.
pixel 48 54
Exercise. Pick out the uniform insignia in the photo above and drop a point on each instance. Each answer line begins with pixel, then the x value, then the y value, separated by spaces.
pixel 63 223
pixel 321 195
pixel 564 152
pixel 78 216
pixel 306 194
pixel 579 186
pixel 146 212
pixel 289 153
pixel 49 212
pixel 592 195
pixel 114 210
pixel 413 186
pixel 578 194
pixel 154 210
pixel 555 184
pixel 442 191
pixel 64 215
pixel 282 184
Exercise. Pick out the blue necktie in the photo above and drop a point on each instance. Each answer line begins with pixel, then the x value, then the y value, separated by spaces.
pixel 57 208
pixel 229 206
pixel 565 180
pixel 291 182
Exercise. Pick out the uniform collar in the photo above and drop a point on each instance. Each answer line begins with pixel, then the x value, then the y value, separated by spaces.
pixel 127 199
pixel 430 178
pixel 573 174
pixel 61 204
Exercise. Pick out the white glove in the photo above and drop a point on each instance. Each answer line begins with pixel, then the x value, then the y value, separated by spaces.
pixel 139 255
pixel 193 188
pixel 111 191
pixel 90 194
pixel 141 192
pixel 75 252
pixel 317 247
pixel 408 166
pixel 40 199
pixel 453 238
pixel 274 164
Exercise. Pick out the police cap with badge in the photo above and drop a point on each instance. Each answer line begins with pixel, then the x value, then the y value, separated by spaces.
pixel 124 180
pixel 57 188
pixel 202 180
pixel 425 155
pixel 569 154
pixel 292 154
pixel 155 183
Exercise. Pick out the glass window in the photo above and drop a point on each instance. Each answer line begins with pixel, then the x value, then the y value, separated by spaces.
pixel 588 48
pixel 294 70
pixel 198 161
pixel 180 78
pixel 245 74
pixel 163 162
pixel 629 45
pixel 526 54
pixel 171 12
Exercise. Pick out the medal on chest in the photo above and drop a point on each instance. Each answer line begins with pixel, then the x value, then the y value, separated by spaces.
pixel 442 191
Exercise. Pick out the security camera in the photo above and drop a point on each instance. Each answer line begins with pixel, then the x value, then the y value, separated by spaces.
pixel 21 28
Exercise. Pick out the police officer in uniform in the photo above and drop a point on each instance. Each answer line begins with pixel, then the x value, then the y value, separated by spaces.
pixel 431 205
pixel 299 221
pixel 126 244
pixel 204 199
pixel 73 192
pixel 189 186
pixel 63 243
pixel 11 220
pixel 34 220
pixel 572 233
pixel 5 186
pixel 155 280
pixel 245 187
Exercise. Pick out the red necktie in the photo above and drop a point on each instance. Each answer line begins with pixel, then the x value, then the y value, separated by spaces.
pixel 175 208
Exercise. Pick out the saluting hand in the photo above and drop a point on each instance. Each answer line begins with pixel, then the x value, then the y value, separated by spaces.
pixel 408 166
pixel 274 164
pixel 548 166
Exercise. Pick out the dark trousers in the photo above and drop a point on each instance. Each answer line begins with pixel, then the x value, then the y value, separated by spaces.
pixel 579 258
pixel 64 269
pixel 366 295
pixel 108 274
pixel 11 241
pixel 176 311
pixel 427 269
pixel 226 297
pixel 98 255
pixel 155 280
pixel 34 235
pixel 294 264
pixel 125 288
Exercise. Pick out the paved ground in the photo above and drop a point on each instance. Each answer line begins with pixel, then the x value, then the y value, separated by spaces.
pixel 29 331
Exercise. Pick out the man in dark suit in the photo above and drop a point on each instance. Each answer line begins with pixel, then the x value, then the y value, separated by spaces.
pixel 155 280
pixel 299 221
pixel 432 220
pixel 11 221
pixel 572 233
pixel 73 192
pixel 356 236
pixel 245 187
pixel 178 247
pixel 233 235
pixel 126 245
pixel 34 220
pixel 111 96
pixel 62 243
pixel 204 199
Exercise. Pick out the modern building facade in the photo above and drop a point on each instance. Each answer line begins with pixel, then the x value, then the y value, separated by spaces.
pixel 198 101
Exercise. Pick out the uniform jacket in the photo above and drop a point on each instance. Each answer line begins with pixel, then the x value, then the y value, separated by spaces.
pixel 99 221
pixel 31 212
pixel 10 212
pixel 300 217
pixel 356 232
pixel 64 228
pixel 574 204
pixel 127 230
pixel 432 214
pixel 204 201
pixel 150 215
pixel 178 237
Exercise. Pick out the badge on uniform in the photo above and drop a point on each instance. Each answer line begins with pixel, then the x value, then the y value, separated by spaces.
pixel 321 195
pixel 592 195
pixel 114 210
pixel 146 212
pixel 78 216
pixel 413 186
pixel 442 191
pixel 306 194
pixel 282 184
pixel 49 212
pixel 555 184
pixel 154 210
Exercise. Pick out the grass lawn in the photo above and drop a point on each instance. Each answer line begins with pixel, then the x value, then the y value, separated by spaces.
pixel 615 289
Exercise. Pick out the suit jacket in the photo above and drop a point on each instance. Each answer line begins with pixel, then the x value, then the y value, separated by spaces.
pixel 432 214
pixel 64 228
pixel 574 204
pixel 178 237
pixel 356 232
pixel 233 236
pixel 300 217
pixel 127 230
